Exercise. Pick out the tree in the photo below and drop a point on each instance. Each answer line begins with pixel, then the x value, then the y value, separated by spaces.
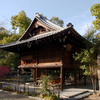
pixel 88 56
pixel 20 21
pixel 95 11
pixel 8 58
pixel 57 21
pixel 3 33
pixel 43 15
pixel 4 70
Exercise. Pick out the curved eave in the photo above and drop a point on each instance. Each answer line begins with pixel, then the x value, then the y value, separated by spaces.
pixel 42 37
pixel 34 38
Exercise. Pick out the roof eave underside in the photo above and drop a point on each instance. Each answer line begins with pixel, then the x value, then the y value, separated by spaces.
pixel 38 37
pixel 34 38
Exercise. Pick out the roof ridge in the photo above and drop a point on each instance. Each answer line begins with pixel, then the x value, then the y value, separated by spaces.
pixel 43 20
pixel 47 22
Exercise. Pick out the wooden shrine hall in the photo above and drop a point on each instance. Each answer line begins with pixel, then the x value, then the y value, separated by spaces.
pixel 47 46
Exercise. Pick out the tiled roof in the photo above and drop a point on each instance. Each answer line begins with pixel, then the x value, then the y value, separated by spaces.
pixel 47 22
pixel 44 21
pixel 34 38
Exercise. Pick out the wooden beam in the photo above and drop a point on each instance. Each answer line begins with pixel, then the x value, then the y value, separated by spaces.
pixel 61 72
pixel 34 75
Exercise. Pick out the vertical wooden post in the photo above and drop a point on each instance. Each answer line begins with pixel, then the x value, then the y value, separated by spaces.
pixel 19 62
pixel 1 85
pixel 79 75
pixel 19 75
pixel 58 92
pixel 56 71
pixel 53 92
pixel 85 80
pixel 28 89
pixel 15 87
pixel 52 72
pixel 75 78
pixel 61 72
pixel 34 75
pixel 46 72
pixel 63 76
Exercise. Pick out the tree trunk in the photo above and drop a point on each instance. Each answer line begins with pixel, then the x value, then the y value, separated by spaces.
pixel 99 79
pixel 95 81
pixel 98 63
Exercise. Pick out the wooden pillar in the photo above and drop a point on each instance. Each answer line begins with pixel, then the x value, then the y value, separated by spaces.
pixel 46 72
pixel 34 75
pixel 56 71
pixel 75 78
pixel 79 75
pixel 19 75
pixel 52 72
pixel 85 80
pixel 62 77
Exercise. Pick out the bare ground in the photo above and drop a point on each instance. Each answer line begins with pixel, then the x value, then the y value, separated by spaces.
pixel 92 97
pixel 9 96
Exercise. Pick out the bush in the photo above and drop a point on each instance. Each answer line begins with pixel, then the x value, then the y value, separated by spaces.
pixel 4 70
pixel 45 91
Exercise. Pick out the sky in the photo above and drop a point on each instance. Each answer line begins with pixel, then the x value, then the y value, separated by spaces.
pixel 76 12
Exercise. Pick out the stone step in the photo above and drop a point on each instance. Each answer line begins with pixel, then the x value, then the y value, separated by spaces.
pixel 79 96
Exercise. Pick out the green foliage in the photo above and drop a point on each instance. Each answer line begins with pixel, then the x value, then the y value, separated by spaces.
pixel 8 88
pixel 51 97
pixel 34 94
pixel 88 56
pixel 95 11
pixel 26 94
pixel 8 58
pixel 57 21
pixel 20 21
pixel 24 77
pixel 45 87
pixel 3 33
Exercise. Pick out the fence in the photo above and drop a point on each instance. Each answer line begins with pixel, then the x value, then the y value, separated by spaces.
pixel 27 87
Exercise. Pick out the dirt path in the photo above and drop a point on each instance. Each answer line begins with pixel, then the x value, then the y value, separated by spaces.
pixel 9 96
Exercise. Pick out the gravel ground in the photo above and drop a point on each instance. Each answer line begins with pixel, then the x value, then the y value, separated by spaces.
pixel 10 96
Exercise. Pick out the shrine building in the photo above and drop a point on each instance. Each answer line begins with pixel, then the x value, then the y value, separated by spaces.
pixel 47 46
